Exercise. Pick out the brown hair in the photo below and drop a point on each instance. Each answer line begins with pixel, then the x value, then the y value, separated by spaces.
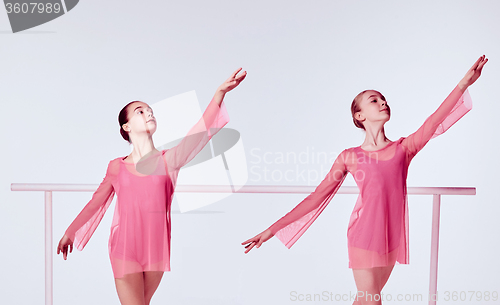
pixel 123 119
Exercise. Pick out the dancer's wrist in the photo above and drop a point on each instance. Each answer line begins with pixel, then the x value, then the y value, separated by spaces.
pixel 462 85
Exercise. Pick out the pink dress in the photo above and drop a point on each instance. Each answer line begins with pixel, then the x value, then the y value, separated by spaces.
pixel 377 233
pixel 140 231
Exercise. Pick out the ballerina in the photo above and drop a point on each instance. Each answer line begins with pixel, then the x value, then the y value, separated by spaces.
pixel 377 233
pixel 144 181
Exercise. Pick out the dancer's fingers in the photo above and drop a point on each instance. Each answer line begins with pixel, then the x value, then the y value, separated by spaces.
pixel 236 72
pixel 474 66
pixel 249 240
pixel 480 67
pixel 248 244
pixel 251 246
pixel 481 61
pixel 70 248
pixel 242 76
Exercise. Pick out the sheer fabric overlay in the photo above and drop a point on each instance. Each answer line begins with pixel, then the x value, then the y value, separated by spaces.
pixel 378 232
pixel 140 232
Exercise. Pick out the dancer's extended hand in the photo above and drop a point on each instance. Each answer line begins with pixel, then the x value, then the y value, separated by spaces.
pixel 257 240
pixel 233 81
pixel 63 246
pixel 474 72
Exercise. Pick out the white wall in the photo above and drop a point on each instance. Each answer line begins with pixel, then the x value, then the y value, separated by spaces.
pixel 64 82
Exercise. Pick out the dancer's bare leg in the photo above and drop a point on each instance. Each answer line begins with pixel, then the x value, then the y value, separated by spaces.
pixel 151 282
pixel 386 272
pixel 138 288
pixel 130 289
pixel 369 283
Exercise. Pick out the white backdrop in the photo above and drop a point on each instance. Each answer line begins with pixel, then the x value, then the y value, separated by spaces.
pixel 64 82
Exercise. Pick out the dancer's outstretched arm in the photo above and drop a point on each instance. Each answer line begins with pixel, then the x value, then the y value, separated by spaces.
pixel 213 119
pixel 291 226
pixel 84 225
pixel 417 140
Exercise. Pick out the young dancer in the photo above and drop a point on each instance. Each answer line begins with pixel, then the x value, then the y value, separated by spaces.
pixel 144 181
pixel 377 233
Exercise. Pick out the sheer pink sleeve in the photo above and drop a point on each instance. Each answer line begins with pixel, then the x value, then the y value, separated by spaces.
pixel 455 106
pixel 84 225
pixel 291 226
pixel 213 119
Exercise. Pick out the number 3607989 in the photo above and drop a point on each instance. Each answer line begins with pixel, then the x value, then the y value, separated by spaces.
pixel 33 8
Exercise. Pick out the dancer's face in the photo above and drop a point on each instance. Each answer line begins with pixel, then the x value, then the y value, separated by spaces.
pixel 374 108
pixel 140 119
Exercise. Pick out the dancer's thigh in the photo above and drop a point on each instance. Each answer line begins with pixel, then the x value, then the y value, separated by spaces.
pixel 152 280
pixel 384 276
pixel 369 283
pixel 130 289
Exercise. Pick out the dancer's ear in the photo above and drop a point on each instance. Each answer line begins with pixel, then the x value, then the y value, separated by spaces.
pixel 359 116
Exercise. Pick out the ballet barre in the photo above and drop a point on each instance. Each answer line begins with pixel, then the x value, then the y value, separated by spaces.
pixel 48 188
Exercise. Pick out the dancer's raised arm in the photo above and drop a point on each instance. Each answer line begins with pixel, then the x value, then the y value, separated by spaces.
pixel 456 105
pixel 213 119
pixel 290 227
